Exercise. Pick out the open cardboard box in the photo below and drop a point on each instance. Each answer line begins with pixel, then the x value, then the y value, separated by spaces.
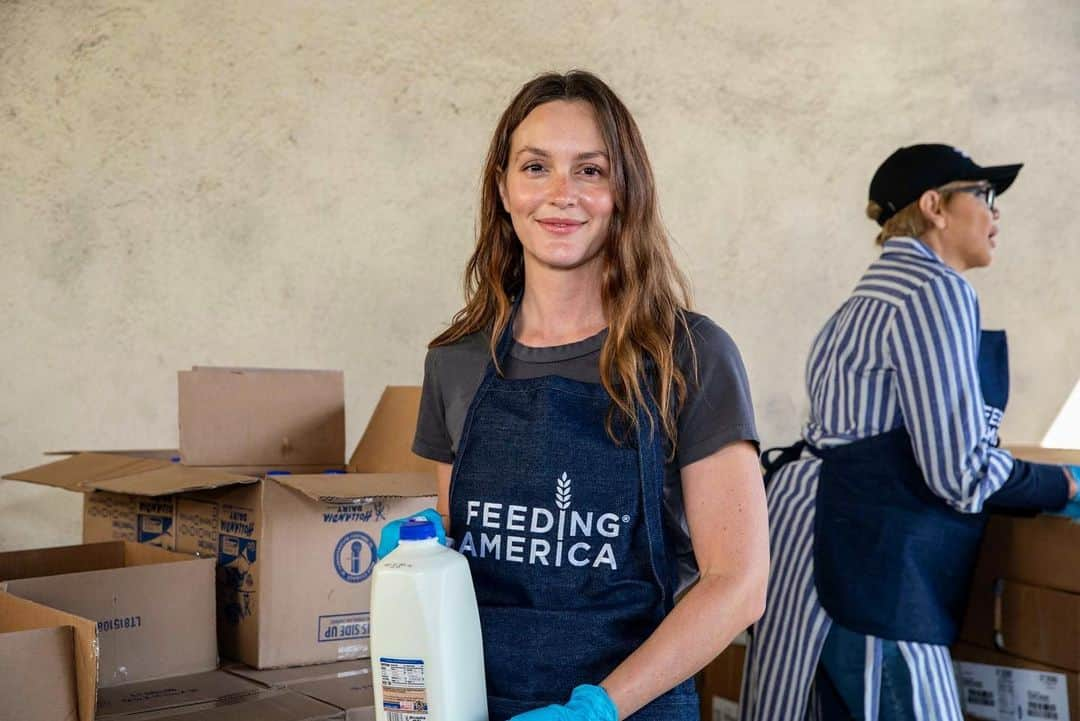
pixel 49 662
pixel 294 551
pixel 154 609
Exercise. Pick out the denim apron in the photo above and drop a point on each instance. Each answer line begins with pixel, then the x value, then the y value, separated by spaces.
pixel 564 536
pixel 891 559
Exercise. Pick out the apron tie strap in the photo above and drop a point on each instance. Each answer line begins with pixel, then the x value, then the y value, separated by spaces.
pixel 783 456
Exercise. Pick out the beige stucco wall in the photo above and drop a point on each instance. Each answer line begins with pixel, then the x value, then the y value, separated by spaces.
pixel 293 184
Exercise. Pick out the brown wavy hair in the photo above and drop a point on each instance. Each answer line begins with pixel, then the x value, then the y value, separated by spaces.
pixel 644 293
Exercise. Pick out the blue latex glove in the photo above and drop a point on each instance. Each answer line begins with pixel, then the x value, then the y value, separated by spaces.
pixel 1072 508
pixel 587 703
pixel 391 532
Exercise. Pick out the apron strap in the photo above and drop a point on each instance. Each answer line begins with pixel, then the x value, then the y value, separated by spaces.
pixel 773 459
pixel 506 340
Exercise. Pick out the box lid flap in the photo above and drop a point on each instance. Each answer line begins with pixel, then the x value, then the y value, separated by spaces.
pixel 77 472
pixel 386 446
pixel 247 417
pixel 351 487
pixel 161 454
pixel 168 479
pixel 17 613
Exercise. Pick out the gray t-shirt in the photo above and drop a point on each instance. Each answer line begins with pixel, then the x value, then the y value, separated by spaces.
pixel 718 410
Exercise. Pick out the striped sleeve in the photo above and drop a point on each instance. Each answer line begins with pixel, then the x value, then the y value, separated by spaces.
pixel 934 342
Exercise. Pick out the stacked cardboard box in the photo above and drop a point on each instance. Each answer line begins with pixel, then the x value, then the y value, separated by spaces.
pixel 294 548
pixel 346 685
pixel 264 505
pixel 1020 640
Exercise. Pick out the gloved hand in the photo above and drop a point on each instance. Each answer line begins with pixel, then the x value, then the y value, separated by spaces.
pixel 391 532
pixel 1072 508
pixel 587 703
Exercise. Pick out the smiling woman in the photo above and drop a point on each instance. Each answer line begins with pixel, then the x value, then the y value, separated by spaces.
pixel 556 186
pixel 595 438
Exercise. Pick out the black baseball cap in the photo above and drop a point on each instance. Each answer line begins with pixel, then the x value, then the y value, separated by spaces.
pixel 909 172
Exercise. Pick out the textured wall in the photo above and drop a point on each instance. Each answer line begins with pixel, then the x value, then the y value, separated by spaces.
pixel 294 184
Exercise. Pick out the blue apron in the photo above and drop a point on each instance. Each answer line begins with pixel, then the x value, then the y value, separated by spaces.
pixel 564 536
pixel 891 559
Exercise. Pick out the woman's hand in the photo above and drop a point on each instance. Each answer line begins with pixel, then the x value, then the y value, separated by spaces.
pixel 587 703
pixel 1073 474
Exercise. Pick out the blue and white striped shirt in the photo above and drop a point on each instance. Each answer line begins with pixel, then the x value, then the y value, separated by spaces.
pixel 901 351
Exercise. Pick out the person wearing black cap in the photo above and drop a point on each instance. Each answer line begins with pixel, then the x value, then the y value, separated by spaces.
pixel 876 514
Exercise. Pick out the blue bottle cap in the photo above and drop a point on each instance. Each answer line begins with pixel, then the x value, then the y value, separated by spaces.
pixel 417 529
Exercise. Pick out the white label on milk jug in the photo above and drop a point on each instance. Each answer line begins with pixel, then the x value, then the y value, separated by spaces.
pixel 1011 694
pixel 404 692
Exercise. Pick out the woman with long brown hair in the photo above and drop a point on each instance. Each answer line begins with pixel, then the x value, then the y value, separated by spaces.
pixel 594 439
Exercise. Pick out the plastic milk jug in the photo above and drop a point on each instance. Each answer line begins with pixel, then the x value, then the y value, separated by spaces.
pixel 427 656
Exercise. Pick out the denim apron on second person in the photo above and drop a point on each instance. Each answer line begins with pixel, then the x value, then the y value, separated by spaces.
pixel 564 536
pixel 892 559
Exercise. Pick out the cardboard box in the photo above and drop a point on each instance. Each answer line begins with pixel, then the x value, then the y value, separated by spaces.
pixel 292 675
pixel 261 416
pixel 346 685
pixel 171 693
pixel 154 609
pixel 721 684
pixel 294 552
pixel 61 683
pixel 260 705
pixel 1032 622
pixel 1000 687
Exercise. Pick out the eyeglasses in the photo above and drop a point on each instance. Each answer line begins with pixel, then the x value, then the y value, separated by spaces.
pixel 985 192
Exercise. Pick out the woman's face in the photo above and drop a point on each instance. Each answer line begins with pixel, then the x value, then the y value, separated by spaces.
pixel 557 186
pixel 969 235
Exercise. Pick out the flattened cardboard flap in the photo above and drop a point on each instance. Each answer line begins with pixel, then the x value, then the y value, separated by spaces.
pixel 169 479
pixel 176 691
pixel 17 614
pixel 77 472
pixel 86 472
pixel 354 487
pixel 248 417
pixel 386 446
pixel 260 705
